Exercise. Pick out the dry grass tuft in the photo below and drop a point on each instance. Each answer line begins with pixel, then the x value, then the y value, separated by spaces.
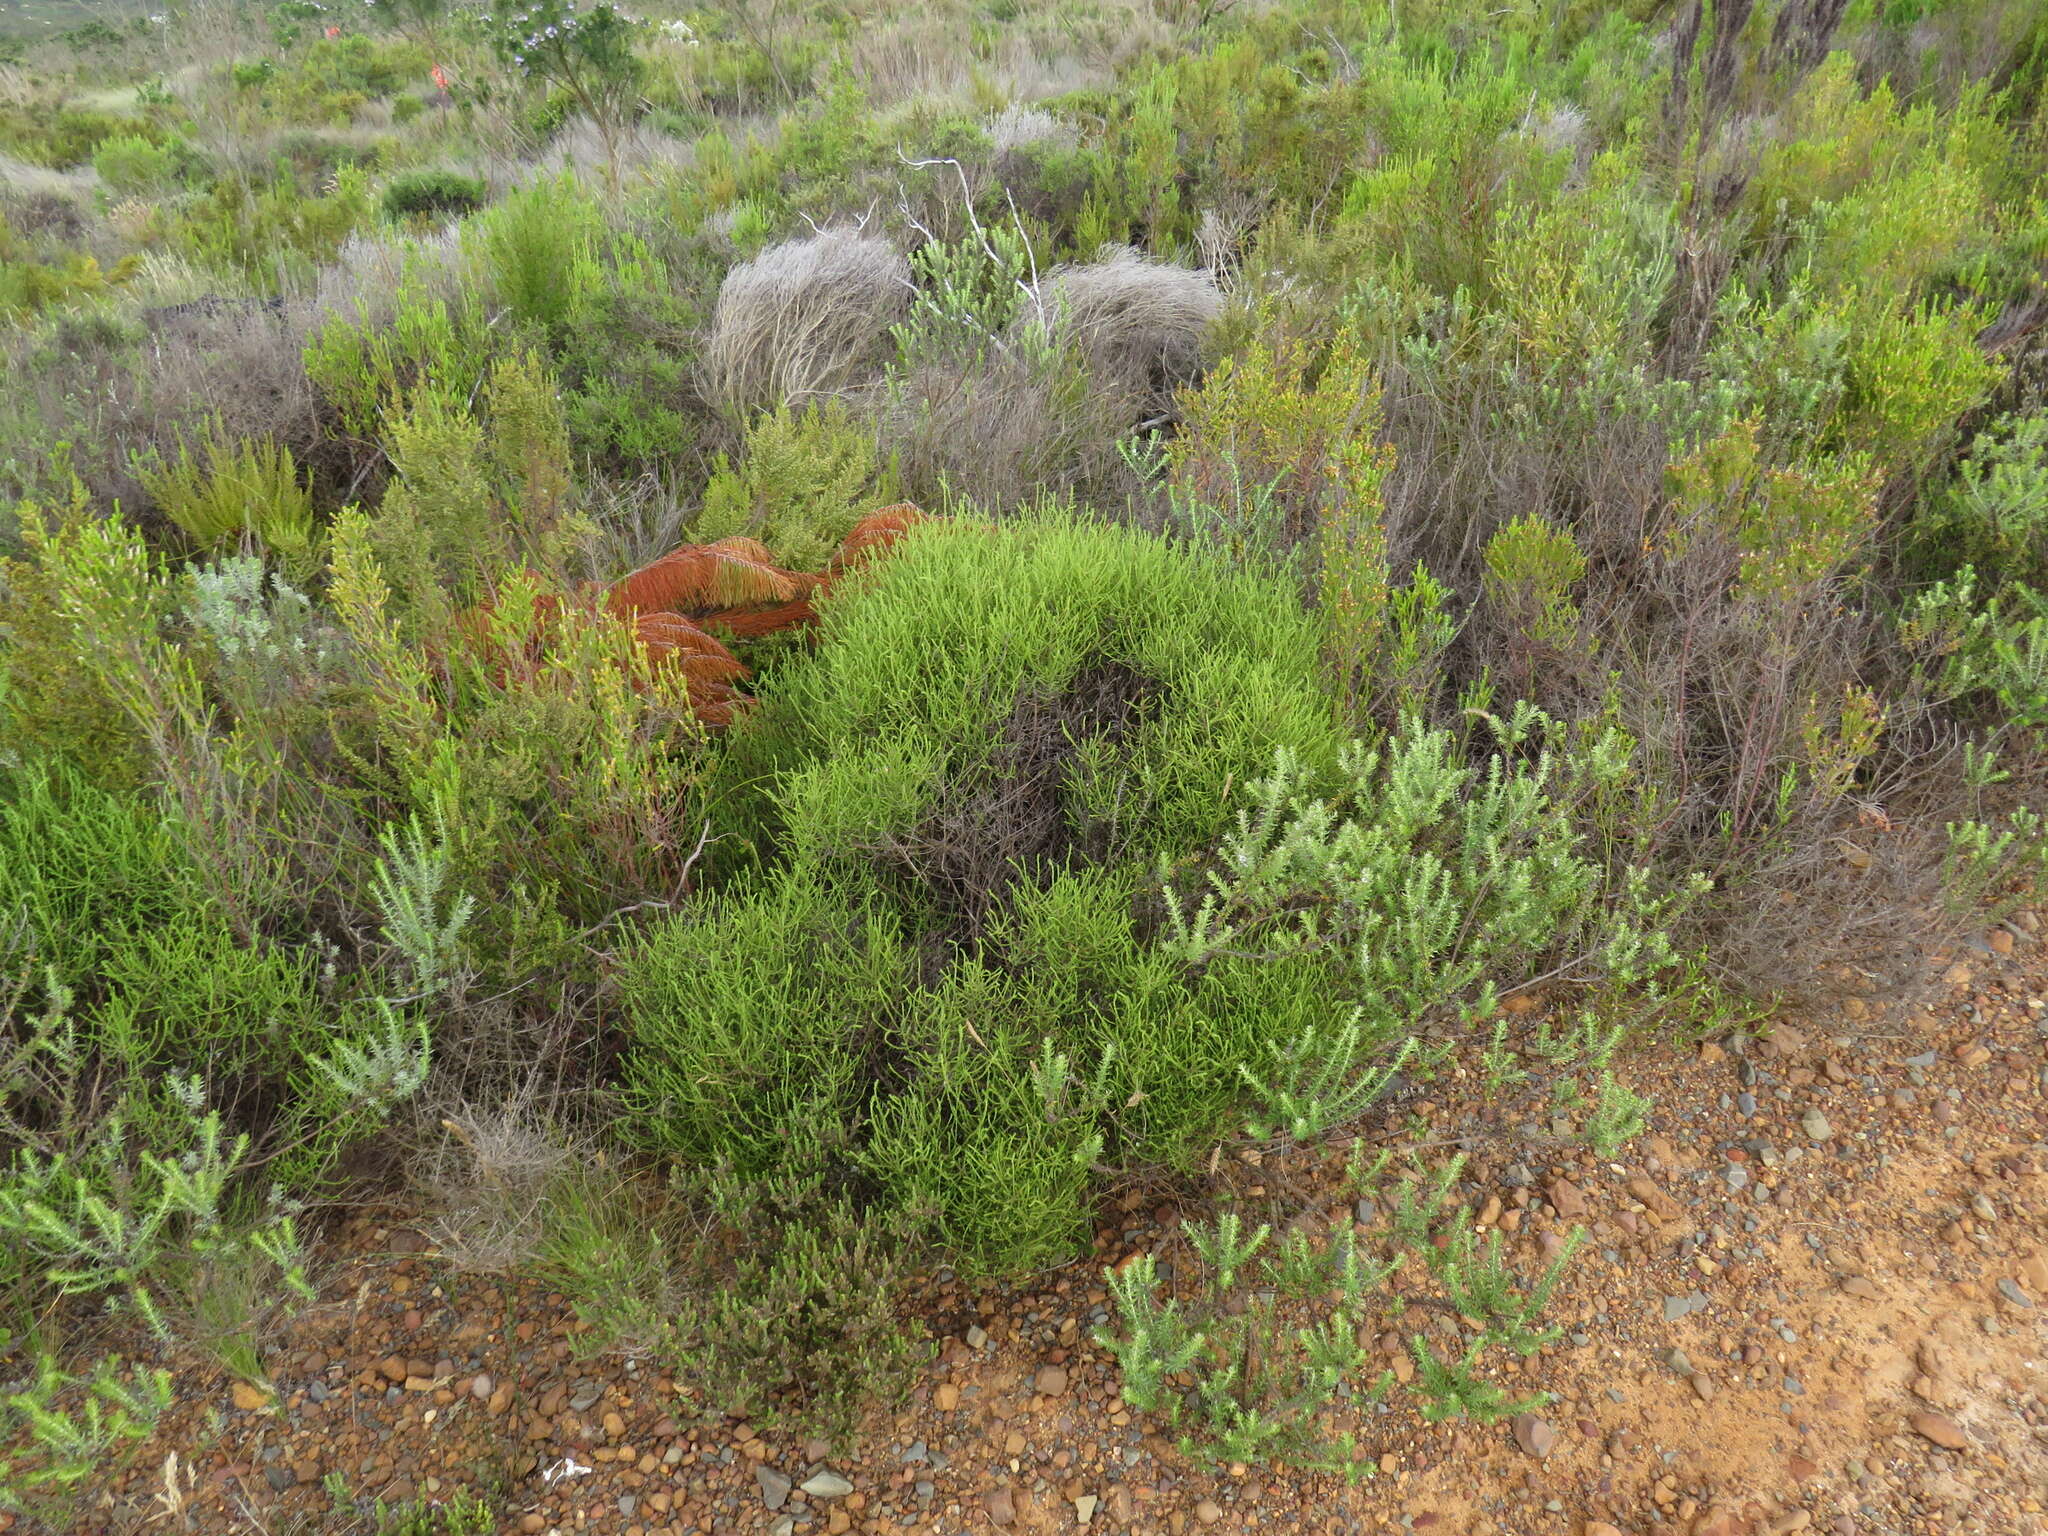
pixel 489 1177
pixel 803 319
pixel 1138 323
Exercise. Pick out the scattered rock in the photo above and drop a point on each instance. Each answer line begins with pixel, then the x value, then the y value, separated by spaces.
pixel 1084 1508
pixel 1781 1042
pixel 826 1485
pixel 1677 1307
pixel 774 1486
pixel 1941 1431
pixel 999 1504
pixel 1659 1204
pixel 2011 1291
pixel 947 1398
pixel 1051 1380
pixel 1601 1528
pixel 1861 1288
pixel 1568 1198
pixel 249 1397
pixel 1535 1436
pixel 1208 1511
pixel 1816 1126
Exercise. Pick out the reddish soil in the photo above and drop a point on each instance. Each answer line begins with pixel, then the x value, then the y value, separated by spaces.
pixel 1856 1274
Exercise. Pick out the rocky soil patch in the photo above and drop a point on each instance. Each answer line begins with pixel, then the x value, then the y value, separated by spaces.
pixel 1812 1300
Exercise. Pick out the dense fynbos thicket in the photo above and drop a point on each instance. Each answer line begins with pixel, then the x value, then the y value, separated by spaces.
pixel 1417 505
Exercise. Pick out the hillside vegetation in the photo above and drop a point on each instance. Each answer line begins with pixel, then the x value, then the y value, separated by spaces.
pixel 753 650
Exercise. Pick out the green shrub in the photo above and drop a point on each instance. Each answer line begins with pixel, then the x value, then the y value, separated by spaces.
pixel 998 734
pixel 539 246
pixel 130 164
pixel 1993 515
pixel 432 193
pixel 272 233
pixel 803 480
pixel 237 489
pixel 73 1430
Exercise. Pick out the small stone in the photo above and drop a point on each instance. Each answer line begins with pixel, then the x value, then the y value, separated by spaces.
pixel 774 1486
pixel 1659 1204
pixel 1084 1508
pixel 999 1504
pixel 826 1485
pixel 1702 1386
pixel 2010 1290
pixel 1535 1436
pixel 976 1336
pixel 249 1397
pixel 1600 1528
pixel 1568 1198
pixel 480 1386
pixel 1677 1307
pixel 1861 1288
pixel 947 1398
pixel 1816 1126
pixel 1051 1380
pixel 1941 1431
pixel 392 1367
pixel 1208 1511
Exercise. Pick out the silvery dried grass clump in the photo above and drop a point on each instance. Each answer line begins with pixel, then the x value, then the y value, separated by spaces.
pixel 1137 322
pixel 364 280
pixel 803 319
pixel 489 1179
pixel 1017 126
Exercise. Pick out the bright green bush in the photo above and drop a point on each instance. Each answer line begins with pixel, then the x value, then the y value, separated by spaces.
pixel 433 193
pixel 803 480
pixel 1993 515
pixel 539 247
pixel 234 490
pixel 1160 676
pixel 129 164
pixel 998 734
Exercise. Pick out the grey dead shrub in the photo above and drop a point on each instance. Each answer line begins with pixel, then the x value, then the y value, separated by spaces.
pixel 803 319
pixel 1137 323
pixel 121 384
pixel 1018 126
pixel 364 280
pixel 489 1177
